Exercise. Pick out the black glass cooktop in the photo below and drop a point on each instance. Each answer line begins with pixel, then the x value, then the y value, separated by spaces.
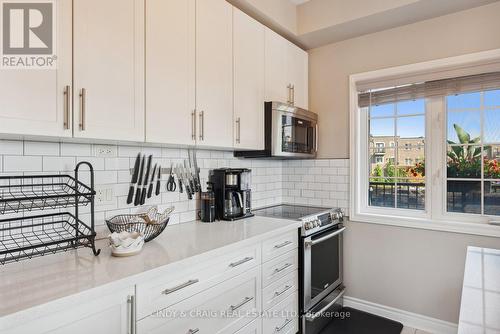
pixel 288 211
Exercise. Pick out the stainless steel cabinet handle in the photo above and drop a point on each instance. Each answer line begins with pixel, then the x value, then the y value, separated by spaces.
pixel 326 237
pixel 180 286
pixel 280 328
pixel 193 331
pixel 193 124
pixel 277 270
pixel 316 139
pixel 238 130
pixel 293 94
pixel 240 304
pixel 285 289
pixel 286 243
pixel 240 262
pixel 67 97
pixel 312 316
pixel 83 105
pixel 289 97
pixel 132 311
pixel 202 125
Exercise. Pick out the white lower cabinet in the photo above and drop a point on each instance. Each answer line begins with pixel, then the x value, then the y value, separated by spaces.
pixel 224 308
pixel 284 318
pixel 108 314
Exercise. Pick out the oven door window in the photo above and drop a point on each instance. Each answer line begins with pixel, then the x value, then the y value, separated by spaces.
pixel 325 264
pixel 297 135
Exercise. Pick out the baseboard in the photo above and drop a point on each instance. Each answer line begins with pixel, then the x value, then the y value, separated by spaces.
pixel 408 319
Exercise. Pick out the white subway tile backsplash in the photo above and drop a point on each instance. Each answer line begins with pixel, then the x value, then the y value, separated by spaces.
pixel 322 182
pixel 41 148
pixel 72 149
pixel 11 147
pixel 58 164
pixel 22 164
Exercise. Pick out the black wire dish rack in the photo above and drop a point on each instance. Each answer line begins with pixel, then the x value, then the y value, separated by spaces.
pixel 23 236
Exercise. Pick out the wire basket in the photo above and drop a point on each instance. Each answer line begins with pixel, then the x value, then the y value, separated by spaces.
pixel 150 223
pixel 39 192
pixel 29 237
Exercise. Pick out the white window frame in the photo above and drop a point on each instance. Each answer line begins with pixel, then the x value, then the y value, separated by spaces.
pixel 434 217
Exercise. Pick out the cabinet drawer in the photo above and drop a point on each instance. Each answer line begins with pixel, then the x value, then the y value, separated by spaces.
pixel 279 245
pixel 279 290
pixel 209 312
pixel 284 319
pixel 170 289
pixel 279 267
pixel 255 327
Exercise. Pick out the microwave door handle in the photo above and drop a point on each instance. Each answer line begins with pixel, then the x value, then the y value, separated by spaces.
pixel 326 237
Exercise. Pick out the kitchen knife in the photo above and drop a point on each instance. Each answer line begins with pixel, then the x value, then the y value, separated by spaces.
pixel 135 175
pixel 158 183
pixel 179 177
pixel 189 177
pixel 150 189
pixel 145 181
pixel 197 172
pixel 137 199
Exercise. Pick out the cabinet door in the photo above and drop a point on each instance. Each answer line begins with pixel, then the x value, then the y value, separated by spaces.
pixel 248 48
pixel 214 73
pixel 37 101
pixel 170 71
pixel 108 314
pixel 297 71
pixel 109 69
pixel 275 70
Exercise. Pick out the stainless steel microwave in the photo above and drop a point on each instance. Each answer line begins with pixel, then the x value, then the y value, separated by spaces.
pixel 290 132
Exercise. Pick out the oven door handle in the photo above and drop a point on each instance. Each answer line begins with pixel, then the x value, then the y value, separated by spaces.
pixel 310 243
pixel 312 316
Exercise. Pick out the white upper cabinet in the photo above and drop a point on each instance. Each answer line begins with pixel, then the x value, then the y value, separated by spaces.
pixel 277 84
pixel 214 73
pixel 297 70
pixel 108 66
pixel 170 71
pixel 249 77
pixel 38 101
pixel 286 71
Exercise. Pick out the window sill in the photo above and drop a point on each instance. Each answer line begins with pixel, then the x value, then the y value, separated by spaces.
pixel 481 229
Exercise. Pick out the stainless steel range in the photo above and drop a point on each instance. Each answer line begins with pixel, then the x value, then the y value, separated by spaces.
pixel 321 263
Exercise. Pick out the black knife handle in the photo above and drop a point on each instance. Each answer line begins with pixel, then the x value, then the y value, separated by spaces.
pixel 150 190
pixel 143 195
pixel 158 185
pixel 137 200
pixel 180 186
pixel 130 196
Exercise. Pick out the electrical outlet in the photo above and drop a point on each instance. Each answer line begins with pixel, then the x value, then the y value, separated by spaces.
pixel 105 151
pixel 104 195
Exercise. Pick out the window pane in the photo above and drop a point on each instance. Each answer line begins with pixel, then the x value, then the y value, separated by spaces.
pixel 492 162
pixel 382 127
pixel 382 192
pixel 492 198
pixel 464 161
pixel 464 101
pixel 410 128
pixel 381 158
pixel 492 98
pixel 464 126
pixel 411 107
pixel 464 196
pixel 411 194
pixel 492 126
pixel 382 110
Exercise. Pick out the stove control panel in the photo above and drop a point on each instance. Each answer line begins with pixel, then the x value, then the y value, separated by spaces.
pixel 320 221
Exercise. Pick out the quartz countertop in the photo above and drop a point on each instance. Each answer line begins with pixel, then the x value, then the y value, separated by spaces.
pixel 480 306
pixel 37 281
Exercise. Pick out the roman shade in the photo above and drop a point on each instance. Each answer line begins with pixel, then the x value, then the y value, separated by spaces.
pixel 470 83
